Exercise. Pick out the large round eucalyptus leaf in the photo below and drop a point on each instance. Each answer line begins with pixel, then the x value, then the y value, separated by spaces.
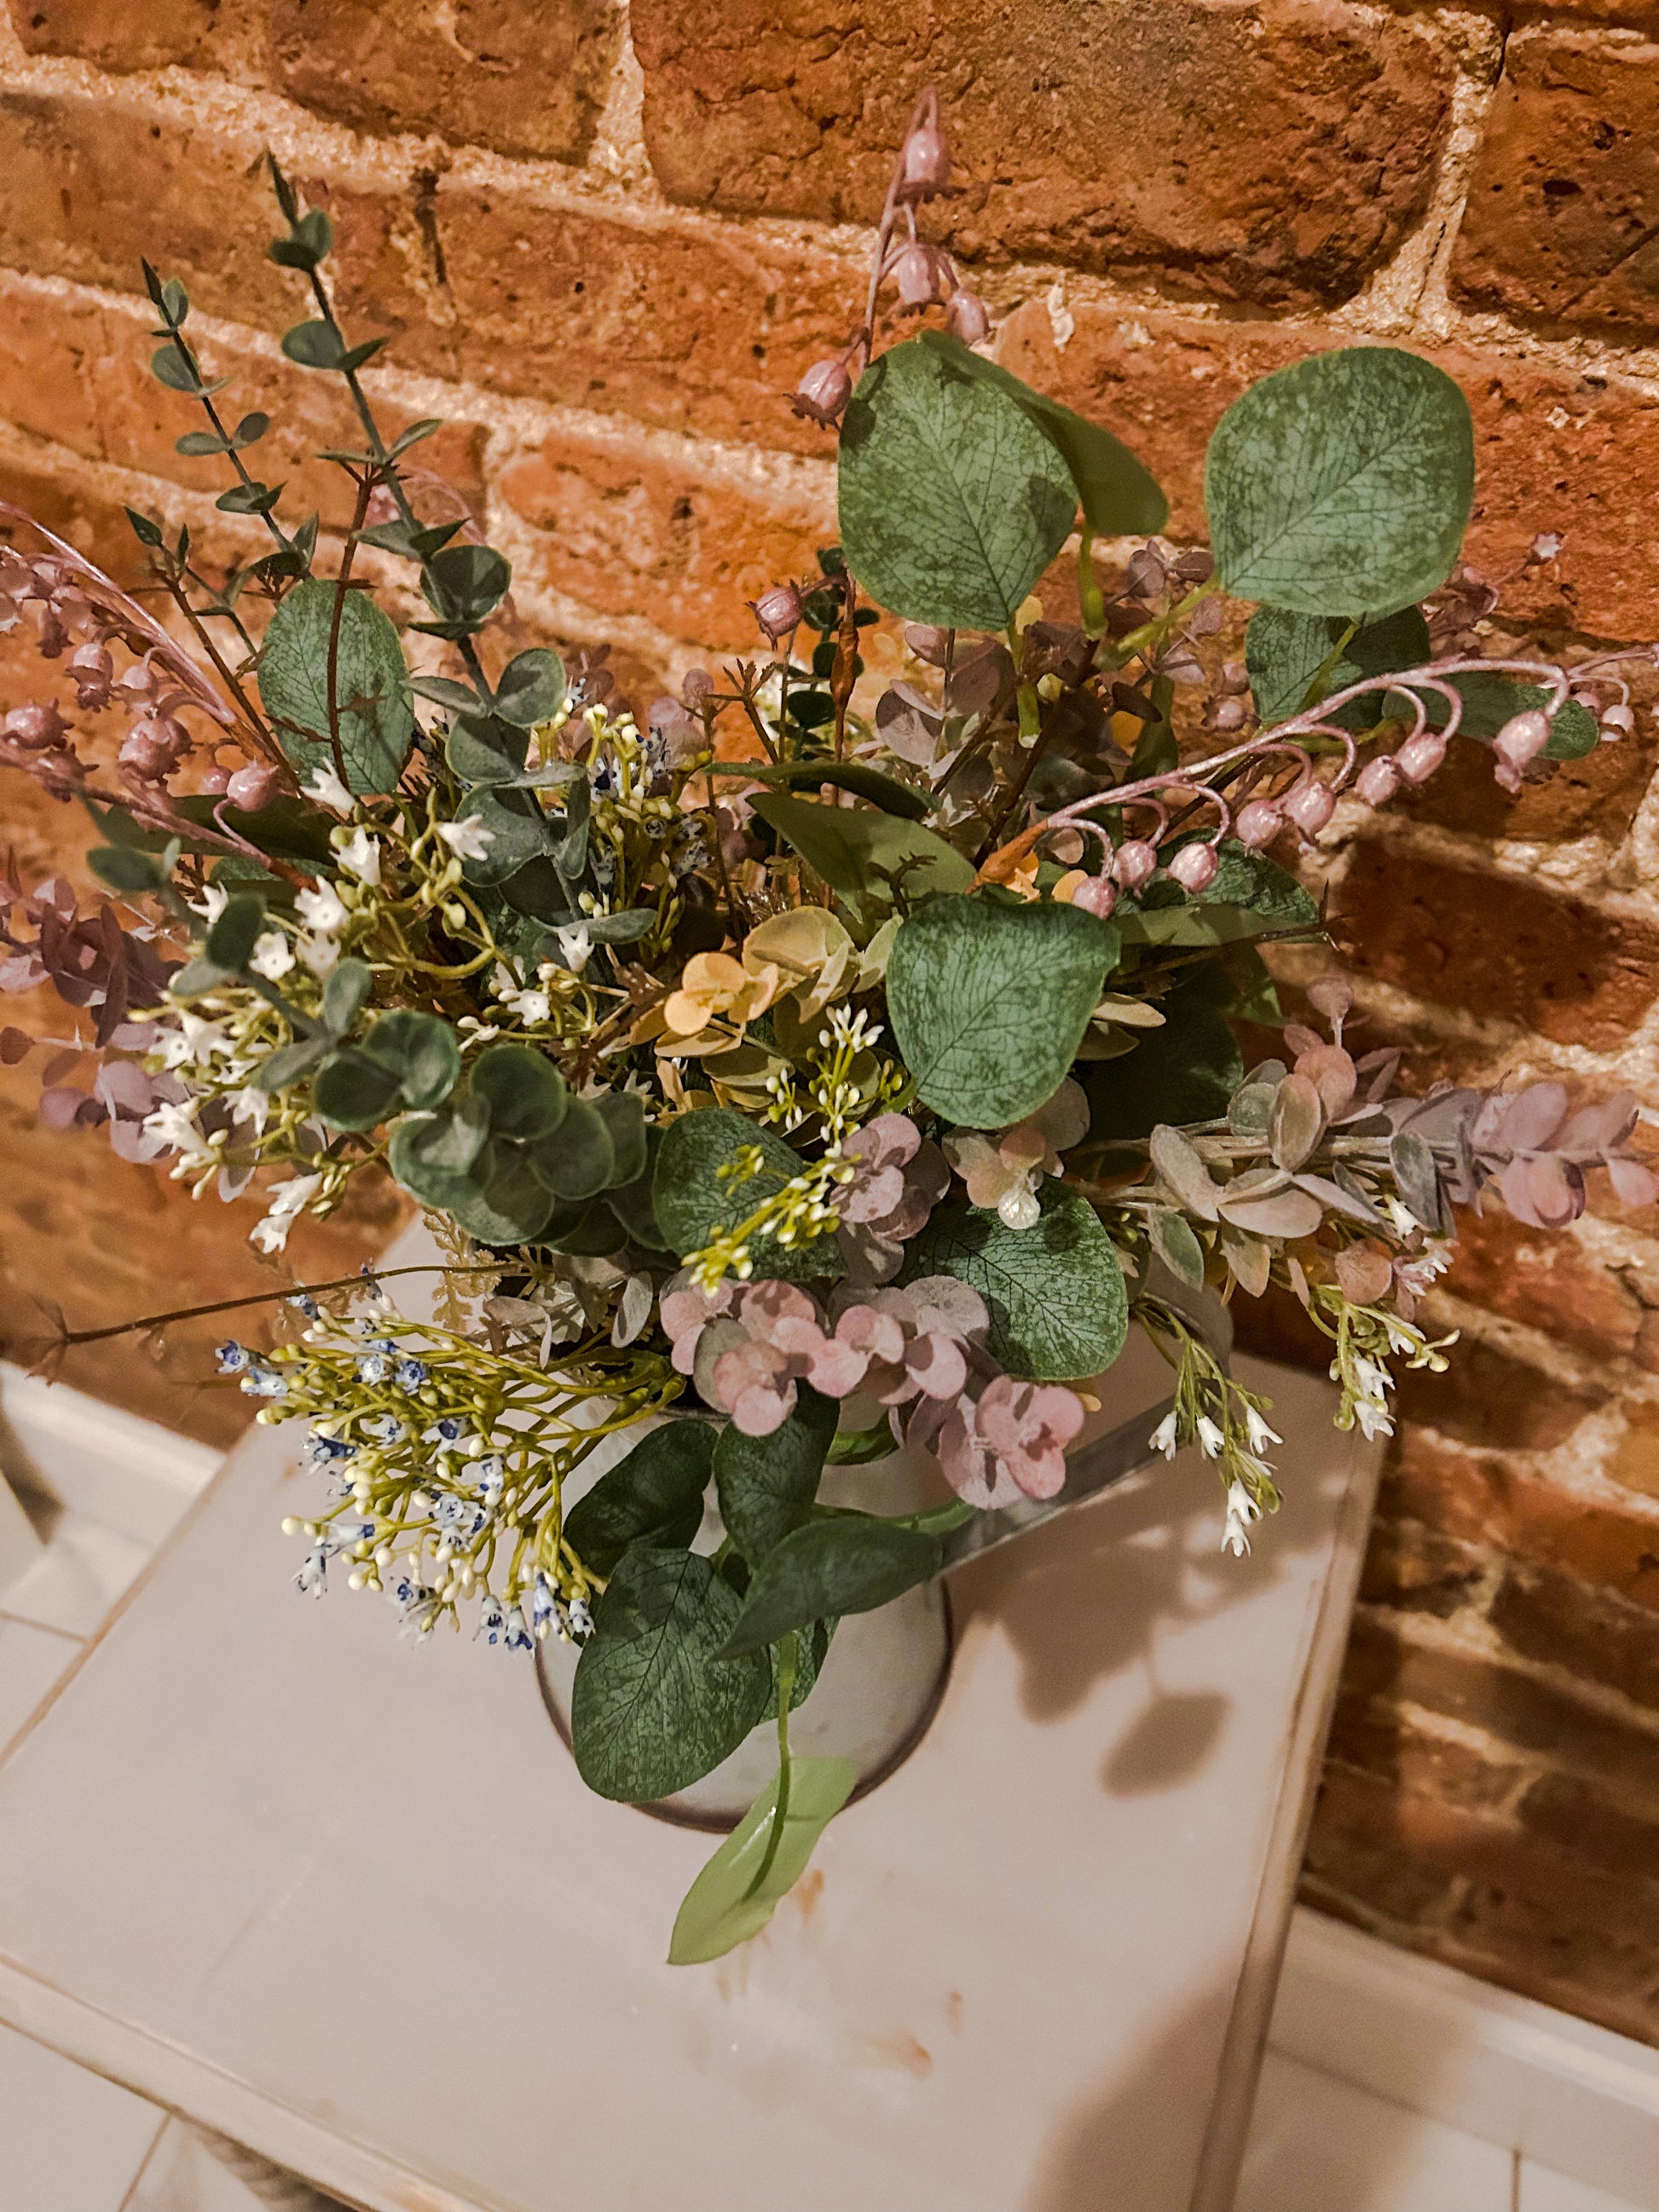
pixel 372 699
pixel 989 1002
pixel 952 501
pixel 1054 1291
pixel 1342 482
pixel 654 1706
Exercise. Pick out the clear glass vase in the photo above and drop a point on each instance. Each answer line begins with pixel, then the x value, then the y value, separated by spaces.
pixel 879 1686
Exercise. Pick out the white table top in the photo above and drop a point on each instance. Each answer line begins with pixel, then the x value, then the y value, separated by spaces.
pixel 346 1900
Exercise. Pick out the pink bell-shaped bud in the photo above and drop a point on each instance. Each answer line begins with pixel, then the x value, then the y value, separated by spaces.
pixel 1096 897
pixel 1418 757
pixel 37 724
pixel 216 782
pixel 1617 721
pixel 1258 823
pixel 778 612
pixel 922 274
pixel 924 165
pixel 1523 737
pixel 1310 805
pixel 1134 862
pixel 1377 781
pixel 969 318
pixel 1194 867
pixel 252 787
pixel 823 393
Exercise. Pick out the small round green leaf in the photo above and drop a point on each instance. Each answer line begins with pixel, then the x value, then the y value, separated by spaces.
pixel 421 1050
pixel 526 1093
pixel 578 1160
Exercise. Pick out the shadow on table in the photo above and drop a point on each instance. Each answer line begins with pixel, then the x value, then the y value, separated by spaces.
pixel 1083 1597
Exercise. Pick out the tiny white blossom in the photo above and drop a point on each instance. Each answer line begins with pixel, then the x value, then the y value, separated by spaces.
pixel 1164 1436
pixel 323 909
pixel 1209 1436
pixel 361 855
pixel 1242 1510
pixel 326 789
pixel 1373 1417
pixel 320 954
pixel 529 1007
pixel 467 839
pixel 272 957
pixel 174 1125
pixel 576 943
pixel 1259 1434
pixel 288 1200
pixel 212 904
pixel 251 1106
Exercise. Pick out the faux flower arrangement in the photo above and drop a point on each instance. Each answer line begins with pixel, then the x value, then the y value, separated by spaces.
pixel 787 1073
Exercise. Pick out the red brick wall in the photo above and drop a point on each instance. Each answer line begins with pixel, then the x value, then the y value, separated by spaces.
pixel 606 248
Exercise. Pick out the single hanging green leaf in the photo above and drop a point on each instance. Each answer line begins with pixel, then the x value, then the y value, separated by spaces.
pixel 767 1484
pixel 1285 652
pixel 989 1002
pixel 730 1901
pixel 1120 497
pixel 376 713
pixel 653 1497
pixel 875 861
pixel 952 501
pixel 1055 1293
pixel 850 1563
pixel 1343 482
pixel 657 1703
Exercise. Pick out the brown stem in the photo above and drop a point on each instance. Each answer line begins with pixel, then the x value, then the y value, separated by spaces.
pixel 845 672
pixel 262 741
pixel 264 1298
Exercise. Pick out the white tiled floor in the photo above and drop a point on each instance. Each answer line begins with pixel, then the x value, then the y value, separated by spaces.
pixel 72 2143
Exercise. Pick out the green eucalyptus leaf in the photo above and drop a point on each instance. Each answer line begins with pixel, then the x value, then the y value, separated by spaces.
pixel 885 791
pixel 693 1202
pixel 653 1497
pixel 376 716
pixel 623 1115
pixel 503 1201
pixel 1054 1291
pixel 767 1484
pixel 875 861
pixel 231 939
pixel 526 1093
pixel 952 501
pixel 738 1891
pixel 289 1065
pixel 1185 1072
pixel 846 1563
pixel 1284 652
pixel 578 1160
pixel 531 688
pixel 657 1704
pixel 1344 481
pixel 520 833
pixel 126 868
pixel 354 1091
pixel 465 584
pixel 314 344
pixel 345 994
pixel 428 1151
pixel 989 1003
pixel 1120 498
pixel 421 1050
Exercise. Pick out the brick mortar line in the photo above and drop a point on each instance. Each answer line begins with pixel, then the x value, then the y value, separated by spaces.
pixel 106 480
pixel 310 142
pixel 1549 1356
pixel 792 485
pixel 1480 1639
pixel 1571 867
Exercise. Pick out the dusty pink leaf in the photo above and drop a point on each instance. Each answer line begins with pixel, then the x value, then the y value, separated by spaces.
pixel 1299 1119
pixel 1287 1213
pixel 1636 1185
pixel 1532 1116
pixel 1182 1166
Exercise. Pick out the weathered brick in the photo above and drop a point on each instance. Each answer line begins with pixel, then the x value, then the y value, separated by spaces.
pixel 1589 1824
pixel 1548 1281
pixel 1503 945
pixel 1596 1635
pixel 1487 1397
pixel 1554 450
pixel 623 529
pixel 1275 151
pixel 524 80
pixel 1482 1894
pixel 1415 1568
pixel 1596 797
pixel 1379 1739
pixel 139 34
pixel 77 372
pixel 1493 1503
pixel 1564 204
